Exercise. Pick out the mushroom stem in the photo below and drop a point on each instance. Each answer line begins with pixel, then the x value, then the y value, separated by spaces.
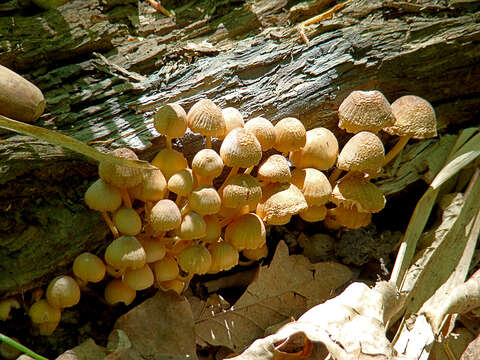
pixel 110 224
pixel 126 198
pixel 203 180
pixel 248 170
pixel 179 246
pixel 240 211
pixel 179 200
pixel 168 142
pixel 232 173
pixel 396 149
pixel 208 144
pixel 185 209
pixel 334 175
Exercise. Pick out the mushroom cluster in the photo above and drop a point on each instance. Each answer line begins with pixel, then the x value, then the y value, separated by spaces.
pixel 174 221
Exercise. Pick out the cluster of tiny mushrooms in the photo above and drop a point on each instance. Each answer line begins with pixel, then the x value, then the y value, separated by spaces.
pixel 171 222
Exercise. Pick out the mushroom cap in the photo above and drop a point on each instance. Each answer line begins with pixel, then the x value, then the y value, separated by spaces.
pixel 256 254
pixel 364 152
pixel 164 216
pixel 290 135
pixel 365 110
pixel 224 257
pixel 320 150
pixel 63 291
pixel 354 190
pixel 414 117
pixel 206 118
pixel 207 163
pixel 127 221
pixel 205 200
pixel 42 312
pixel 154 249
pixel 213 230
pixel 313 184
pixel 314 213
pixel 165 269
pixel 117 291
pixel 102 196
pixel 233 119
pixel 240 190
pixel 169 161
pixel 152 187
pixel 118 175
pixel 240 148
pixel 263 130
pixel 125 252
pixel 246 232
pixel 170 120
pixel 349 217
pixel 195 260
pixel 274 169
pixel 182 182
pixel 138 279
pixel 89 267
pixel 279 202
pixel 174 284
pixel 192 227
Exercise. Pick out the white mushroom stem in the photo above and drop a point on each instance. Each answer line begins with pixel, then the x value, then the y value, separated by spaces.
pixel 232 173
pixel 126 198
pixel 396 149
pixel 110 224
pixel 185 209
pixel 334 175
pixel 168 142
pixel 208 143
pixel 248 170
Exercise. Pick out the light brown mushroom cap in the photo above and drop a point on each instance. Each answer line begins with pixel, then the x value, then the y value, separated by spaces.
pixel 233 119
pixel 290 135
pixel 314 213
pixel 138 279
pixel 320 150
pixel 154 249
pixel 174 284
pixel 279 202
pixel 192 227
pixel 42 312
pixel 182 182
pixel 170 120
pixel 240 148
pixel 205 200
pixel 274 169
pixel 364 152
pixel 101 196
pixel 117 291
pixel 127 221
pixel 152 187
pixel 365 111
pixel 63 291
pixel 118 175
pixel 206 118
pixel 354 190
pixel 169 161
pixel 349 217
pixel 213 230
pixel 89 267
pixel 164 216
pixel 263 130
pixel 240 190
pixel 125 252
pixel 224 257
pixel 6 305
pixel 246 232
pixel 207 163
pixel 414 117
pixel 165 269
pixel 313 184
pixel 256 254
pixel 195 260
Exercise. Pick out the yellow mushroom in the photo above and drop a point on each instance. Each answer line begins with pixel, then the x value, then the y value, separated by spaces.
pixel 117 292
pixel 320 150
pixel 89 267
pixel 263 130
pixel 63 291
pixel 206 119
pixel 138 279
pixel 195 260
pixel 246 232
pixel 170 120
pixel 125 252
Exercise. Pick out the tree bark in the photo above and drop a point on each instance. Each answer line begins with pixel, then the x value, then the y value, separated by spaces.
pixel 105 66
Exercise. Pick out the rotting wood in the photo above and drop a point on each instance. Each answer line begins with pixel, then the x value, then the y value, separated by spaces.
pixel 246 54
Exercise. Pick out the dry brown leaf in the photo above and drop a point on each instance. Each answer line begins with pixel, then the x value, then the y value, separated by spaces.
pixel 472 352
pixel 287 288
pixel 87 350
pixel 160 327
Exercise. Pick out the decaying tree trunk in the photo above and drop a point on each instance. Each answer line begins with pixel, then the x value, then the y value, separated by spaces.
pixel 104 66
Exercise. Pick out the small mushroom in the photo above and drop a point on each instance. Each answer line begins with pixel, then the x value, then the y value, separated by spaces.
pixel 414 118
pixel 241 190
pixel 207 165
pixel 165 269
pixel 233 119
pixel 195 260
pixel 192 227
pixel 89 267
pixel 313 184
pixel 154 249
pixel 256 254
pixel 117 292
pixel 152 188
pixel 224 257
pixel 206 119
pixel 213 229
pixel 320 150
pixel 63 291
pixel 274 169
pixel 290 135
pixel 164 216
pixel 169 161
pixel 205 200
pixel 246 232
pixel 170 120
pixel 127 221
pixel 263 130
pixel 6 305
pixel 175 285
pixel 45 316
pixel 349 217
pixel 314 213
pixel 182 183
pixel 365 111
pixel 125 252
pixel 138 279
